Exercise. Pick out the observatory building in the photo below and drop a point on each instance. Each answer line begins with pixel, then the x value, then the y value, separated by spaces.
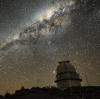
pixel 67 76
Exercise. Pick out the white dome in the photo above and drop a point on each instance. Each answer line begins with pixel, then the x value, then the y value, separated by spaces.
pixel 67 76
pixel 65 66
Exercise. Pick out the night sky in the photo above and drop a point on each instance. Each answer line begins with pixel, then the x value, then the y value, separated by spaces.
pixel 36 34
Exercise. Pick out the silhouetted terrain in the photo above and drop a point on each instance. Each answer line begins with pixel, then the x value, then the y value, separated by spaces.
pixel 54 93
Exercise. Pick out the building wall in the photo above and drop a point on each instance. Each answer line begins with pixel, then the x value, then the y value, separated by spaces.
pixel 68 75
pixel 68 83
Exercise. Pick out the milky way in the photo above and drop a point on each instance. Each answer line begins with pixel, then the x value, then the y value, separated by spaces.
pixel 59 30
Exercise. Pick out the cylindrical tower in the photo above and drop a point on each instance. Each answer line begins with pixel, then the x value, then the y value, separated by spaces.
pixel 67 75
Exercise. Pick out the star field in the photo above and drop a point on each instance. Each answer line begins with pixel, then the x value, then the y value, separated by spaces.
pixel 35 35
